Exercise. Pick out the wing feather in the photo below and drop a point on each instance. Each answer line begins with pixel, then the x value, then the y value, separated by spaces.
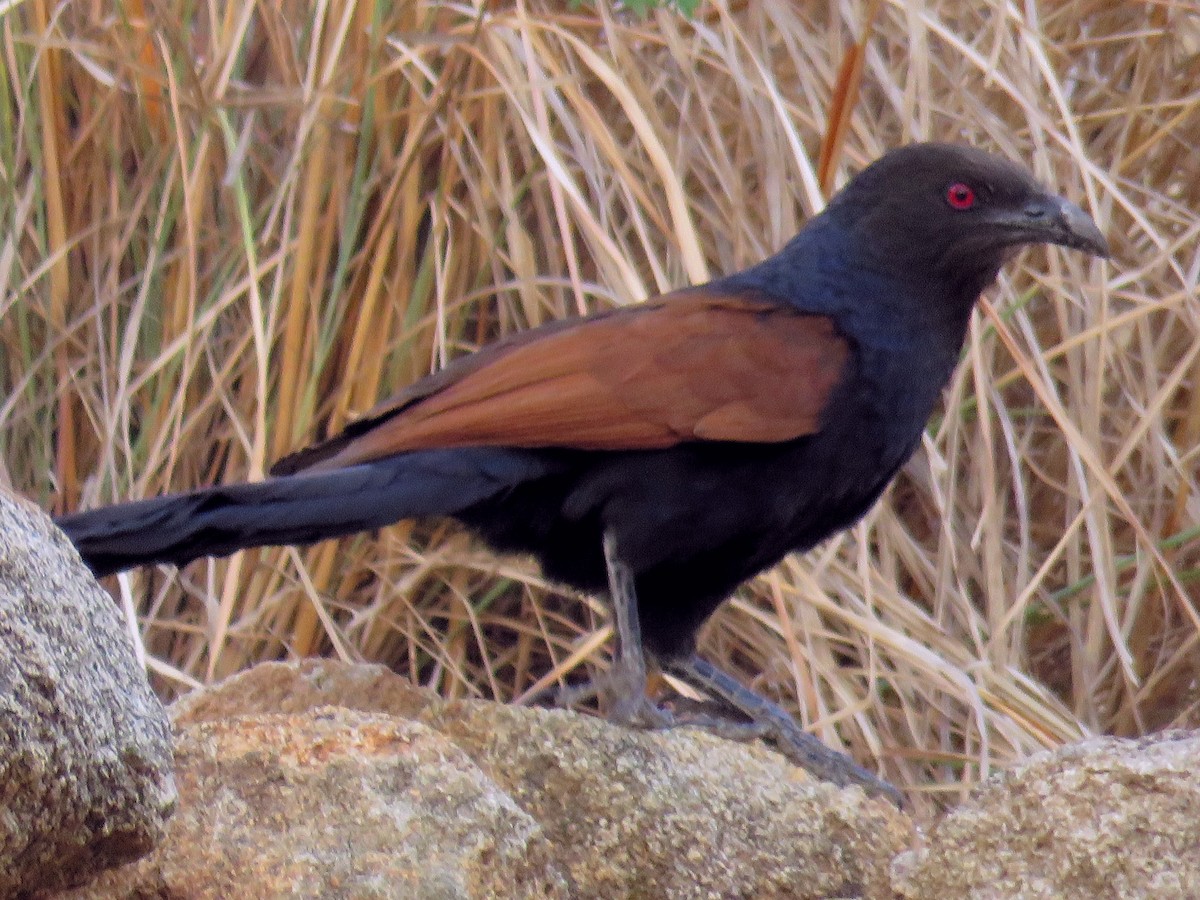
pixel 694 365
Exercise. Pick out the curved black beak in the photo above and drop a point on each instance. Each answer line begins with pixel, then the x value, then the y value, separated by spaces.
pixel 1053 220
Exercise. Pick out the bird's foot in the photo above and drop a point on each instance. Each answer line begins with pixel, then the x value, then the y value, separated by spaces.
pixel 624 697
pixel 764 720
pixel 719 723
pixel 640 712
pixel 807 752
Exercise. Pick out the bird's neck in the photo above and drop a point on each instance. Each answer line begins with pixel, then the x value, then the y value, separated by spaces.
pixel 876 293
pixel 917 308
pixel 907 318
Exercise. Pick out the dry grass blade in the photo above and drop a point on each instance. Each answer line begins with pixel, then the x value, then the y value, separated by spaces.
pixel 841 106
pixel 227 229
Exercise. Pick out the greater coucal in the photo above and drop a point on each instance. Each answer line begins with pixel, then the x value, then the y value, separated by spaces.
pixel 667 451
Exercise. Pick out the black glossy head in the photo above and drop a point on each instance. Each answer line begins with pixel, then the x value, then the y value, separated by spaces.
pixel 958 210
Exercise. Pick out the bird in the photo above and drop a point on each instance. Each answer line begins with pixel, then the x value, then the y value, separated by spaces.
pixel 662 453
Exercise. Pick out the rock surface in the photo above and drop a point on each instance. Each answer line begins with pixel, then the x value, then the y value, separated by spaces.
pixel 1098 819
pixel 85 747
pixel 300 686
pixel 359 785
pixel 319 779
pixel 678 814
pixel 336 803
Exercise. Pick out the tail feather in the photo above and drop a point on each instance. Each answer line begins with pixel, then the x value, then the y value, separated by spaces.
pixel 294 509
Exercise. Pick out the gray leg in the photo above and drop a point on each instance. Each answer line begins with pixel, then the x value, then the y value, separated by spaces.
pixel 630 705
pixel 625 683
pixel 766 720
pixel 626 687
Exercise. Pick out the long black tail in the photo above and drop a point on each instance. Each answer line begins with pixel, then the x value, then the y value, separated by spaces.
pixel 294 509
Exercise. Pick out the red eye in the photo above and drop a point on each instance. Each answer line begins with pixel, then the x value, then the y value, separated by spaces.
pixel 960 196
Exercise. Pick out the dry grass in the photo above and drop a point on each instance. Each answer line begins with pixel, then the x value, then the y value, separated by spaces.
pixel 223 236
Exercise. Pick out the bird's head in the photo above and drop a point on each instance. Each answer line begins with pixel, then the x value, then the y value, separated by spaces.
pixel 956 211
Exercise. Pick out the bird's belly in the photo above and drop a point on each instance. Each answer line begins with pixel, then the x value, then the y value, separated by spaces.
pixel 694 521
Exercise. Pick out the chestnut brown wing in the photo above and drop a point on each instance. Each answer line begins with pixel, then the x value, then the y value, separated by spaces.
pixel 692 365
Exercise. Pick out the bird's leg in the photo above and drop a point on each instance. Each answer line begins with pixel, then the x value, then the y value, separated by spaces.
pixel 625 682
pixel 766 720
pixel 627 688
